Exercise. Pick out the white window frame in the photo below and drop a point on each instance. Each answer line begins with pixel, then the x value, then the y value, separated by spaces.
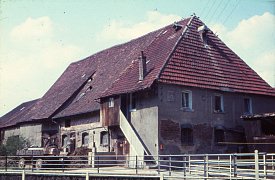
pixel 221 103
pixel 250 105
pixel 111 102
pixel 189 106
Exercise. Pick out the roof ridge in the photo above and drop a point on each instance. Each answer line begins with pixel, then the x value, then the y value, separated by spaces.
pixel 134 60
pixel 121 44
pixel 175 46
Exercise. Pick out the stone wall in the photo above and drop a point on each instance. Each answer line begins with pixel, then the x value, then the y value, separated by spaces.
pixel 85 124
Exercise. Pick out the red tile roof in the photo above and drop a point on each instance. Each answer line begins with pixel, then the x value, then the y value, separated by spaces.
pixel 214 67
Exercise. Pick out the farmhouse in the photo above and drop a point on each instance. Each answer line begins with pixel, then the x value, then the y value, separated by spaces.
pixel 178 89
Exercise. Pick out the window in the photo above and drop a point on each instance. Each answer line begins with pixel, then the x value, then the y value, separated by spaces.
pixel 133 101
pixel 104 138
pixel 186 101
pixel 111 102
pixel 219 135
pixel 65 140
pixel 218 103
pixel 67 123
pixel 85 138
pixel 247 105
pixel 186 134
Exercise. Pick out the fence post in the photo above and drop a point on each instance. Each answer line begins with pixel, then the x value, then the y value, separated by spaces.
pixel 6 163
pixel 189 164
pixel 158 164
pixel 136 164
pixel 272 164
pixel 87 176
pixel 205 167
pixel 184 166
pixel 230 166
pixel 63 164
pixel 97 164
pixel 265 165
pixel 170 165
pixel 235 165
pixel 256 155
pixel 23 175
pixel 32 163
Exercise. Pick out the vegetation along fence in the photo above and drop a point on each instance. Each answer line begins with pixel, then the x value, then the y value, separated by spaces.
pixel 189 166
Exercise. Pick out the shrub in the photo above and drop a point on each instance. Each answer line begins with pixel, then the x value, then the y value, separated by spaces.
pixel 13 144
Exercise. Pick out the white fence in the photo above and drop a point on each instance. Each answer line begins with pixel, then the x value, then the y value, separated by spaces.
pixel 189 166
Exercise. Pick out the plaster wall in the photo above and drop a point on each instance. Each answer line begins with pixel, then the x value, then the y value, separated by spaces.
pixel 202 118
pixel 145 121
pixel 31 132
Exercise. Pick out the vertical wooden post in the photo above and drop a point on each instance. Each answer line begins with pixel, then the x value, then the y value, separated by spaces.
pixel 256 156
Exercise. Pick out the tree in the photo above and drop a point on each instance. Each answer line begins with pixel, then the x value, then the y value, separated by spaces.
pixel 13 144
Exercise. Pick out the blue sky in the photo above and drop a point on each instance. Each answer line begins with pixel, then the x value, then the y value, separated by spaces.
pixel 39 39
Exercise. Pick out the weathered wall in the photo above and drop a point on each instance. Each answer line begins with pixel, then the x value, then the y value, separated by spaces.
pixel 31 132
pixel 14 131
pixel 145 120
pixel 85 124
pixel 202 118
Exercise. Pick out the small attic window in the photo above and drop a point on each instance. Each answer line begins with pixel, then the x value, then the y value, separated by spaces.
pixel 203 33
pixel 177 26
pixel 83 75
pixel 80 96
pixel 89 88
pixel 22 108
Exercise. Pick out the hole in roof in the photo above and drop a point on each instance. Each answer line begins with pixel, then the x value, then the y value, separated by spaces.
pixel 22 108
pixel 83 75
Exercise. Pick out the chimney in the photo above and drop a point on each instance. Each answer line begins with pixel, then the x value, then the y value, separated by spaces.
pixel 142 66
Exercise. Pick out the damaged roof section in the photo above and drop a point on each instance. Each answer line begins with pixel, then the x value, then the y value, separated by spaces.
pixel 19 114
